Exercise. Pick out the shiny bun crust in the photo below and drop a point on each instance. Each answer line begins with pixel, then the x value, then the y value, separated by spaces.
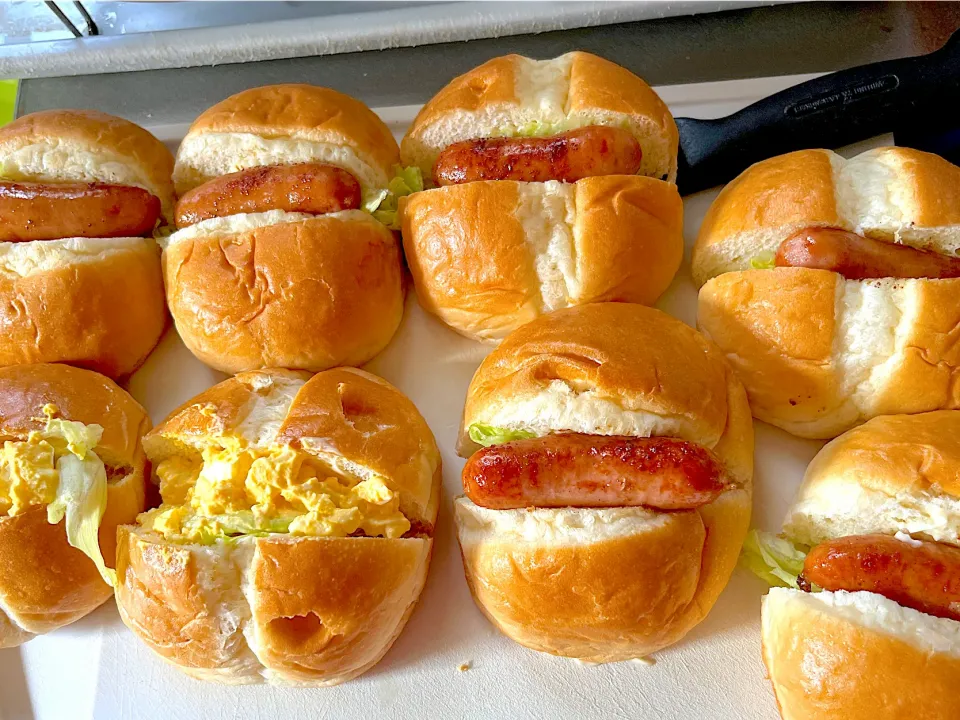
pixel 44 583
pixel 285 290
pixel 284 124
pixel 889 193
pixel 819 354
pixel 548 578
pixel 858 656
pixel 282 609
pixel 896 473
pixel 86 146
pixel 507 94
pixel 93 302
pixel 487 257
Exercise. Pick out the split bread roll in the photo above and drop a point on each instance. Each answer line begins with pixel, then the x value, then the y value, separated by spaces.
pixel 860 655
pixel 488 256
pixel 261 576
pixel 93 302
pixel 611 583
pixel 44 582
pixel 816 352
pixel 276 288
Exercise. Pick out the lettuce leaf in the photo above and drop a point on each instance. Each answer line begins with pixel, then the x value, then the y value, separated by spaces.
pixel 488 435
pixel 384 204
pixel 241 523
pixel 773 559
pixel 82 499
pixel 763 261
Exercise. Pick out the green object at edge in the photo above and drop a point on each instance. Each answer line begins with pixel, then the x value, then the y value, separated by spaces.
pixel 8 100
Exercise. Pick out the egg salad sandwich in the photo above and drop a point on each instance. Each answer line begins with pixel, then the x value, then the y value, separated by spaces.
pixel 863 621
pixel 71 470
pixel 608 481
pixel 294 533
pixel 284 255
pixel 553 186
pixel 832 285
pixel 81 195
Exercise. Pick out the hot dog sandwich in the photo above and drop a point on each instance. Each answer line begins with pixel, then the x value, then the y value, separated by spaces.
pixel 283 257
pixel 295 531
pixel 554 189
pixel 71 470
pixel 866 624
pixel 608 483
pixel 833 286
pixel 81 193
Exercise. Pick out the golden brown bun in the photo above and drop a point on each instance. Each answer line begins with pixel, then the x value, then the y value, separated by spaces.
pixel 819 354
pixel 511 92
pixel 44 583
pixel 290 113
pixel 92 302
pixel 487 257
pixel 548 577
pixel 316 611
pixel 889 193
pixel 852 663
pixel 309 294
pixel 86 146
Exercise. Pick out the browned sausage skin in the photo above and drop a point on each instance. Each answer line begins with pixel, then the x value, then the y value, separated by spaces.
pixel 577 470
pixel 312 188
pixel 47 211
pixel 568 157
pixel 924 576
pixel 860 258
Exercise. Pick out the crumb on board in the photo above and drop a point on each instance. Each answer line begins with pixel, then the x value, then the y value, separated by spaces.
pixel 463 667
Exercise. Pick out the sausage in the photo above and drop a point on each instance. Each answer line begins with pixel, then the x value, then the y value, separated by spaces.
pixel 306 187
pixel 860 258
pixel 572 469
pixel 925 577
pixel 41 211
pixel 568 157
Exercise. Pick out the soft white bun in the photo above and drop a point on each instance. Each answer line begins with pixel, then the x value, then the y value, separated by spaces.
pixel 282 609
pixel 278 289
pixel 282 125
pixel 93 302
pixel 548 578
pixel 858 656
pixel 894 474
pixel 890 193
pixel 509 94
pixel 487 257
pixel 86 146
pixel 44 582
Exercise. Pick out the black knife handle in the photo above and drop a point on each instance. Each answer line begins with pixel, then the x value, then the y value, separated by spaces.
pixel 829 111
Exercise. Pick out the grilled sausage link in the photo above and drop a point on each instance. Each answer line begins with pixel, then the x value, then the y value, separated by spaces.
pixel 306 187
pixel 47 211
pixel 860 258
pixel 925 577
pixel 568 157
pixel 576 470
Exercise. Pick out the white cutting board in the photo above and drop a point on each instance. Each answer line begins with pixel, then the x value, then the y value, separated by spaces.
pixel 96 668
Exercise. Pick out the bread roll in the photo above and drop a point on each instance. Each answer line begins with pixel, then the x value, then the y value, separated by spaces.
pixel 552 579
pixel 487 257
pixel 515 95
pixel 817 353
pixel 44 582
pixel 286 608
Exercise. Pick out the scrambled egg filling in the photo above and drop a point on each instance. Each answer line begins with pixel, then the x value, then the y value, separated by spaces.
pixel 28 468
pixel 235 489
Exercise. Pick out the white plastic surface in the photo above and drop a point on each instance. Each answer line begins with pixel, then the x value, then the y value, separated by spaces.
pixel 98 669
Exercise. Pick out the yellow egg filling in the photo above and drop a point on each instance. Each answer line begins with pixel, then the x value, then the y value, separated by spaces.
pixel 235 489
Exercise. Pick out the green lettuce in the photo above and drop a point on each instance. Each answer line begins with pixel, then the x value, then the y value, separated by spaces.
pixel 383 205
pixel 242 523
pixel 82 499
pixel 763 261
pixel 773 559
pixel 488 435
